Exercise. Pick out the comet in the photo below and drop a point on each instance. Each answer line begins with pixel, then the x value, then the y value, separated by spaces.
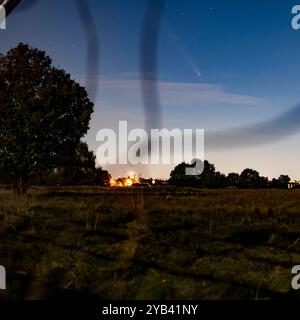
pixel 185 54
pixel 189 59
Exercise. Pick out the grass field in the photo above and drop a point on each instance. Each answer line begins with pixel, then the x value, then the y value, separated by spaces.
pixel 150 243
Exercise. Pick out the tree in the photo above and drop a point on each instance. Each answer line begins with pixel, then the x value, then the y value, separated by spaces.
pixel 81 170
pixel 219 180
pixel 251 179
pixel 178 176
pixel 281 182
pixel 206 179
pixel 43 115
pixel 102 177
pixel 82 167
pixel 233 180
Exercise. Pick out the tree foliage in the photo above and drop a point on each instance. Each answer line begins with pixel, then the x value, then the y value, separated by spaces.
pixel 281 182
pixel 43 115
pixel 81 171
pixel 251 179
pixel 210 178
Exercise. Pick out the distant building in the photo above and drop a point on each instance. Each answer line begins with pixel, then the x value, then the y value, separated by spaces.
pixel 294 184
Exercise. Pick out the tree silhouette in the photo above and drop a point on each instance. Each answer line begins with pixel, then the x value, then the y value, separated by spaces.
pixel 281 182
pixel 251 179
pixel 81 168
pixel 206 179
pixel 43 115
pixel 233 180
pixel 210 178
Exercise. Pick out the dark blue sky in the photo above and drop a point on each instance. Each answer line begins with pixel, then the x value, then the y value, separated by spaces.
pixel 246 52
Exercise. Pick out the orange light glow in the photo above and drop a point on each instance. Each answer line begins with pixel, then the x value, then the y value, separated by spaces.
pixel 124 181
pixel 128 182
pixel 112 182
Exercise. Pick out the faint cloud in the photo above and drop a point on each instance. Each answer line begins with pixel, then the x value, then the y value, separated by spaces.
pixel 176 92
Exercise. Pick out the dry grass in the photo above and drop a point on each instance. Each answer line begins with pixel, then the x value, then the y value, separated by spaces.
pixel 167 243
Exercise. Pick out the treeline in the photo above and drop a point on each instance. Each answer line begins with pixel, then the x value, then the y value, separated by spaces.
pixel 210 178
pixel 78 170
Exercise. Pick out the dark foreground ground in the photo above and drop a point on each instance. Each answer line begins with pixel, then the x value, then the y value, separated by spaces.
pixel 153 243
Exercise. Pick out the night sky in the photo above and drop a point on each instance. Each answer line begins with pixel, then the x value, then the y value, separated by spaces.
pixel 221 64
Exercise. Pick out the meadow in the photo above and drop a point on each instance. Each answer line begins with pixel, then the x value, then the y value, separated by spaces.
pixel 149 243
